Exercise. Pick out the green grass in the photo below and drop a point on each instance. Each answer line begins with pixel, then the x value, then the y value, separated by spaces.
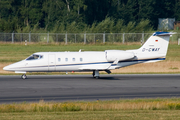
pixel 173 53
pixel 16 52
pixel 96 115
pixel 136 109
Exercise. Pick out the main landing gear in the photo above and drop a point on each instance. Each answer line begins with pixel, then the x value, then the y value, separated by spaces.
pixel 24 76
pixel 95 74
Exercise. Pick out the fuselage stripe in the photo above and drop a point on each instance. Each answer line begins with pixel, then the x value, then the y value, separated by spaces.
pixel 145 60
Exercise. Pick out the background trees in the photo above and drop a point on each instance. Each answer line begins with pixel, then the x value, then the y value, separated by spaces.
pixel 85 15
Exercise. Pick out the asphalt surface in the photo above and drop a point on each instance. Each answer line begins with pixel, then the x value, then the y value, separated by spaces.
pixel 84 87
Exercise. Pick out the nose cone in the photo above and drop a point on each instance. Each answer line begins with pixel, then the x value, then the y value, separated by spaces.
pixel 15 66
pixel 6 68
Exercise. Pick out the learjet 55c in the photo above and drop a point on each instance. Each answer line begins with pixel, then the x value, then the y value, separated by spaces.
pixel 153 50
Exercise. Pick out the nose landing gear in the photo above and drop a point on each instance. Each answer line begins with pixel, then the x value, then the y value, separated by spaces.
pixel 24 76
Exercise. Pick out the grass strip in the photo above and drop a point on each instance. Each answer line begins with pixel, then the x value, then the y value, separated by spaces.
pixel 133 104
pixel 95 115
pixel 137 109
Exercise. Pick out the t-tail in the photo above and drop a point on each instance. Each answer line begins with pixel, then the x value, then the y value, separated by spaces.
pixel 155 48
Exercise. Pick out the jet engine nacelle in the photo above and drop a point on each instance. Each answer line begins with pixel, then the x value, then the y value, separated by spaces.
pixel 118 55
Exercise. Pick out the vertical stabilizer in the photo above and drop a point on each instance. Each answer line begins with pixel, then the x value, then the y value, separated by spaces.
pixel 156 46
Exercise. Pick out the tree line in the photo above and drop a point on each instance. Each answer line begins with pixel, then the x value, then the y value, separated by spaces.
pixel 85 15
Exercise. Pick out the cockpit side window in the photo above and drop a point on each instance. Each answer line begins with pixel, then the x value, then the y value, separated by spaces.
pixel 34 57
pixel 40 56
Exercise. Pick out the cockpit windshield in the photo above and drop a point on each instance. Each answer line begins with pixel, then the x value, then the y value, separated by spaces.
pixel 34 57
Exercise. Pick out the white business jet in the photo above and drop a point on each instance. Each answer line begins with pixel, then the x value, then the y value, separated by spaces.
pixel 153 50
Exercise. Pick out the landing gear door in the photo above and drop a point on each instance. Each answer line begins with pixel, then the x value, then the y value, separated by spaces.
pixel 51 62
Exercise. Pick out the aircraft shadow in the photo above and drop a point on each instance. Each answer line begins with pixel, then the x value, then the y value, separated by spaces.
pixel 106 78
pixel 75 78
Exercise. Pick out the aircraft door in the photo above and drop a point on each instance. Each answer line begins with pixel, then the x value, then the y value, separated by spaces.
pixel 52 62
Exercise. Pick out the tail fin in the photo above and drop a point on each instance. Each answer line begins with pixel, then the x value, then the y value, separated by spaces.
pixel 156 46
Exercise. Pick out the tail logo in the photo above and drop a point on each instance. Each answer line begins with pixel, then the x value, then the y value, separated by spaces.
pixel 150 49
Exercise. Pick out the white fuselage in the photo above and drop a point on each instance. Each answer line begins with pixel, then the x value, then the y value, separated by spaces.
pixel 73 61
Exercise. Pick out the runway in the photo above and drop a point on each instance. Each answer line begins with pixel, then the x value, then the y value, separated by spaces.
pixel 84 87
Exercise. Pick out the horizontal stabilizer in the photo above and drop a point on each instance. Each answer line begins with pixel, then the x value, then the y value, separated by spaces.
pixel 162 33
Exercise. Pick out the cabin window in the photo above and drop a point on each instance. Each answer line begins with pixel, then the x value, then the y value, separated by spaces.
pixel 66 59
pixel 73 59
pixel 59 59
pixel 81 59
pixel 34 57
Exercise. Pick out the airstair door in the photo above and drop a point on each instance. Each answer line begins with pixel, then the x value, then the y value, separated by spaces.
pixel 52 62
